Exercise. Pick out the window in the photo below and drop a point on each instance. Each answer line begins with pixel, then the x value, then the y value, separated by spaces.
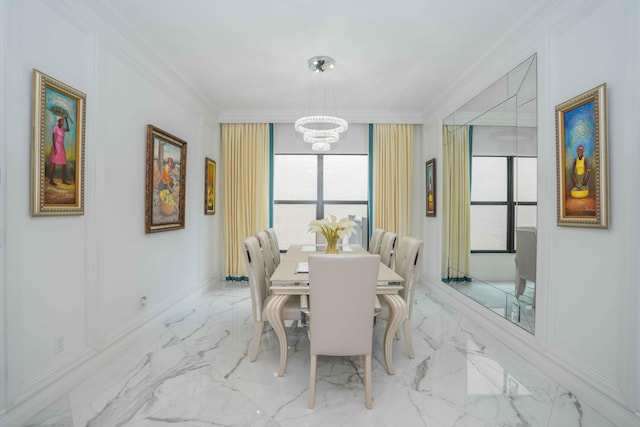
pixel 314 186
pixel 503 197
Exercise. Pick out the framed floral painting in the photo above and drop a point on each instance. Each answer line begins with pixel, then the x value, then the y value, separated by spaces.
pixel 165 181
pixel 57 149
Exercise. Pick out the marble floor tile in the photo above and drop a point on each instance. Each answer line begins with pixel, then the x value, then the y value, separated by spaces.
pixel 192 369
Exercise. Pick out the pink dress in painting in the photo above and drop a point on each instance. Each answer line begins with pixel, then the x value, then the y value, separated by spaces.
pixel 59 157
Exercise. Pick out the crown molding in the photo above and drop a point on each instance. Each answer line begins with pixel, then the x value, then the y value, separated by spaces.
pixel 270 116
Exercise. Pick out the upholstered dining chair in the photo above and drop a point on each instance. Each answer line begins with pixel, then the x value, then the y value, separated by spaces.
pixel 376 240
pixel 342 296
pixel 387 247
pixel 273 237
pixel 525 260
pixel 254 259
pixel 407 257
pixel 267 252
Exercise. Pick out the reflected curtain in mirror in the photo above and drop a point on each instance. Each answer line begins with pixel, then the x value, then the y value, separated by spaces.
pixel 456 197
pixel 392 169
pixel 245 162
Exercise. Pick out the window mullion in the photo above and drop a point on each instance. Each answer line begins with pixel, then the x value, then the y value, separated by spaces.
pixel 510 206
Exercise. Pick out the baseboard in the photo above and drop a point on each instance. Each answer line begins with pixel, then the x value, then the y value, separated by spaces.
pixel 44 388
pixel 583 383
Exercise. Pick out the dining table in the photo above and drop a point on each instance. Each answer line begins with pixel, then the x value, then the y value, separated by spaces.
pixel 291 278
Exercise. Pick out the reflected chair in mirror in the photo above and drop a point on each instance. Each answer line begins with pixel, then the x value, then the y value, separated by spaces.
pixel 274 245
pixel 407 258
pixel 267 252
pixel 387 246
pixel 376 240
pixel 342 296
pixel 254 260
pixel 525 260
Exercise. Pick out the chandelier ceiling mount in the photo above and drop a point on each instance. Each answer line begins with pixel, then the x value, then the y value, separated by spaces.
pixel 321 130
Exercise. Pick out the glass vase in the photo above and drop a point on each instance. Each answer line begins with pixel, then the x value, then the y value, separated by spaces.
pixel 332 246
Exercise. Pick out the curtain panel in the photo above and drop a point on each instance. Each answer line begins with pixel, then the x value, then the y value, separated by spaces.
pixel 392 169
pixel 245 161
pixel 456 202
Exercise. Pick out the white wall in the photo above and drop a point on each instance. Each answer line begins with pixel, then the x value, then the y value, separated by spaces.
pixel 79 278
pixel 586 327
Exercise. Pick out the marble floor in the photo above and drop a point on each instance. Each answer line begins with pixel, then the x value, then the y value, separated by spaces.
pixel 193 370
pixel 500 298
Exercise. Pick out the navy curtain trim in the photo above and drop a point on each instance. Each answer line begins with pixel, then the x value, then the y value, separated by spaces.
pixel 370 178
pixel 271 158
pixel 456 279
pixel 237 279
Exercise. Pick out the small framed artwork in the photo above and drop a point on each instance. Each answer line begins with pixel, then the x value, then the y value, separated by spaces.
pixel 582 176
pixel 57 149
pixel 209 186
pixel 165 181
pixel 431 187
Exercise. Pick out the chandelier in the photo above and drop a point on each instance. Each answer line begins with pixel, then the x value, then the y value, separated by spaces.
pixel 317 129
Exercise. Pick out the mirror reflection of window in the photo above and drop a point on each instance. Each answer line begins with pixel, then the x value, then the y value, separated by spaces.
pixel 501 122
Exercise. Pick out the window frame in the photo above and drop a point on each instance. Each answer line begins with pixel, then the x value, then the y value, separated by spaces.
pixel 319 202
pixel 511 205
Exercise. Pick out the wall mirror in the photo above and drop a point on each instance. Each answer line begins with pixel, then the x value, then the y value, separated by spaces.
pixel 490 196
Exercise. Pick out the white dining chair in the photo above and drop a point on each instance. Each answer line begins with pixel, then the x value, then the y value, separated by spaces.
pixel 387 247
pixel 342 295
pixel 407 259
pixel 375 241
pixel 254 259
pixel 525 259
pixel 273 237
pixel 267 252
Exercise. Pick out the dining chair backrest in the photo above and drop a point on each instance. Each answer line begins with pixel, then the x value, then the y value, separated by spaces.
pixel 267 252
pixel 342 293
pixel 408 257
pixel 254 259
pixel 376 240
pixel 274 245
pixel 387 248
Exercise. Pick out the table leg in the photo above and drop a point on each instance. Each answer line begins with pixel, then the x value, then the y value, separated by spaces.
pixel 397 313
pixel 273 312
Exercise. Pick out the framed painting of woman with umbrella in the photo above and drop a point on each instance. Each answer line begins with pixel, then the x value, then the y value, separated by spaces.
pixel 57 166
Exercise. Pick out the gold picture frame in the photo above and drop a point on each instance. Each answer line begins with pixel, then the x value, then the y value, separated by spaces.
pixel 165 181
pixel 209 186
pixel 57 149
pixel 582 173
pixel 430 169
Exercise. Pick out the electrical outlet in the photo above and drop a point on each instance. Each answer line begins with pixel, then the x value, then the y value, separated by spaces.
pixel 142 302
pixel 58 345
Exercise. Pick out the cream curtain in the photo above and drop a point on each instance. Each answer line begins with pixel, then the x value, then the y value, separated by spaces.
pixel 392 152
pixel 456 200
pixel 245 160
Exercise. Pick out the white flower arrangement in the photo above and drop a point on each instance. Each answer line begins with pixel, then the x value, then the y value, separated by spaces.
pixel 332 228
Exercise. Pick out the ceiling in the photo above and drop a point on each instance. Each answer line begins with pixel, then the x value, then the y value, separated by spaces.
pixel 248 58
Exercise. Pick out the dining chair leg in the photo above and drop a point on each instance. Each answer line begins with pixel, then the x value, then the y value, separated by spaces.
pixel 407 337
pixel 312 381
pixel 258 327
pixel 367 381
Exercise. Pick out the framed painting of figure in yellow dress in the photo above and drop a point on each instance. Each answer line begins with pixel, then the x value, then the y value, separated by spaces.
pixel 581 143
pixel 209 186
pixel 431 187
